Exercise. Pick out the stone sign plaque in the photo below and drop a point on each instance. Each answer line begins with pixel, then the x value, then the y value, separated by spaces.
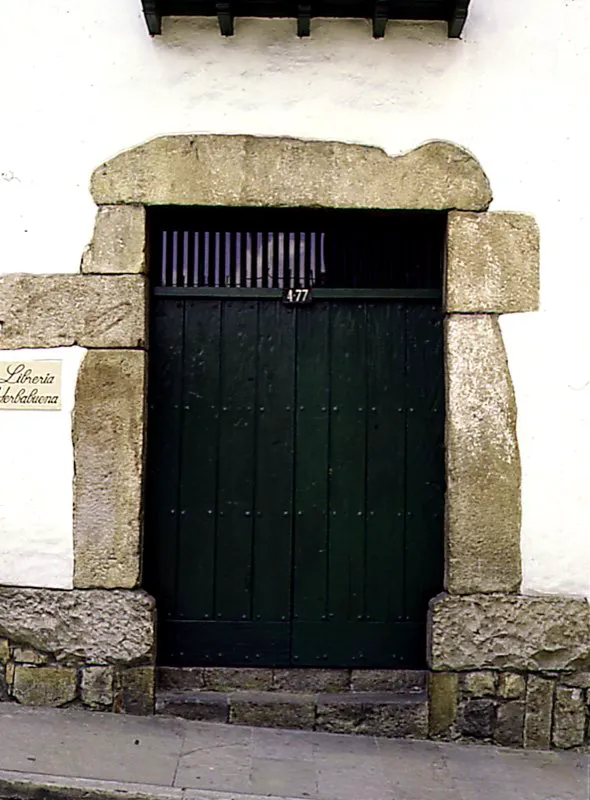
pixel 30 385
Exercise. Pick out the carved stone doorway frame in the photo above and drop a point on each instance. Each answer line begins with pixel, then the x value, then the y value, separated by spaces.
pixel 491 269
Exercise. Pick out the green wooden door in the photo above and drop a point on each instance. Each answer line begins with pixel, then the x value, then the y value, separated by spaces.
pixel 295 478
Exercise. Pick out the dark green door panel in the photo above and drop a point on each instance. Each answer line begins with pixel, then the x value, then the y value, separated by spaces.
pixel 424 539
pixel 385 467
pixel 201 387
pixel 347 470
pixel 295 480
pixel 271 584
pixel 311 464
pixel 224 644
pixel 165 420
pixel 397 645
pixel 236 460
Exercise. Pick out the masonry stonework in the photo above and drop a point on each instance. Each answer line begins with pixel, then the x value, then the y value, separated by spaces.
pixel 107 311
pixel 504 667
pixel 109 455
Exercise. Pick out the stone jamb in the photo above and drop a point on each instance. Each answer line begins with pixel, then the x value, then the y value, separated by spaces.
pixel 492 268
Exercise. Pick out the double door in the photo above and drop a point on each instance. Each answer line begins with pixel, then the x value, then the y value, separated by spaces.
pixel 295 479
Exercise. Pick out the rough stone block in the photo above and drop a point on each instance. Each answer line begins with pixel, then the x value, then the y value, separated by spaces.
pixel 178 679
pixel 9 675
pixel 201 706
pixel 483 462
pixel 97 686
pixel 135 690
pixel 538 712
pixel 569 717
pixel 44 686
pixel 479 684
pixel 89 626
pixel 509 632
pixel 228 679
pixel 25 655
pixel 272 710
pixel 61 310
pixel 311 681
pixel 477 717
pixel 373 715
pixel 512 686
pixel 4 651
pixel 443 687
pixel 108 433
pixel 400 681
pixel 509 729
pixel 118 243
pixel 4 693
pixel 579 680
pixel 257 171
pixel 492 263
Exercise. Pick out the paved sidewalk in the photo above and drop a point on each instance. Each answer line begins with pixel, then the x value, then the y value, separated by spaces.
pixel 91 755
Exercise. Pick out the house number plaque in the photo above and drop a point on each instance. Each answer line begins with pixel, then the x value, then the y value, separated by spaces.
pixel 297 297
pixel 30 385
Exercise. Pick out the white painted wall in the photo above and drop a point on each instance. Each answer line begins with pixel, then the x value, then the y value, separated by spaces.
pixel 82 81
pixel 36 474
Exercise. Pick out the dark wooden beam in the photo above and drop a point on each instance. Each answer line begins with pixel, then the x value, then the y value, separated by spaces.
pixel 380 17
pixel 225 17
pixel 153 17
pixel 304 19
pixel 458 18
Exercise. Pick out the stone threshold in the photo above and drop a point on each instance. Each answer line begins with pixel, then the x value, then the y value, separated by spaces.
pixel 299 680
pixel 369 713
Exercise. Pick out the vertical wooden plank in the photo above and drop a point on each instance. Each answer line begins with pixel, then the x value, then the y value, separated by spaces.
pixel 274 465
pixel 164 431
pixel 348 409
pixel 425 457
pixel 198 485
pixel 310 539
pixel 233 570
pixel 384 579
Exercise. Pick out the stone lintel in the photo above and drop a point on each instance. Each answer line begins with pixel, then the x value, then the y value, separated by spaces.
pixel 119 241
pixel 509 632
pixel 62 310
pixel 492 263
pixel 483 510
pixel 80 626
pixel 259 171
pixel 108 434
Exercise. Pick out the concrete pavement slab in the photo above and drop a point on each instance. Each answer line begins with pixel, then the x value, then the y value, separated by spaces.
pixel 78 744
pixel 273 743
pixel 351 783
pixel 66 754
pixel 277 777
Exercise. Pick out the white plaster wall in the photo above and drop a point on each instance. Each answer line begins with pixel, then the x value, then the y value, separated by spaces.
pixel 82 81
pixel 36 475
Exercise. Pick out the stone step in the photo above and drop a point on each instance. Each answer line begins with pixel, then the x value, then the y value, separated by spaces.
pixel 305 681
pixel 370 713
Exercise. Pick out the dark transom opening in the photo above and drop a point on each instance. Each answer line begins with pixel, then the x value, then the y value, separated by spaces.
pixel 238 248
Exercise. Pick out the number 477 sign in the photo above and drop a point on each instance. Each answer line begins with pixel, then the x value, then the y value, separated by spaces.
pixel 297 296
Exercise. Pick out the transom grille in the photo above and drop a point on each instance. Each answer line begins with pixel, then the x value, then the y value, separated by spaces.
pixel 243 259
pixel 280 249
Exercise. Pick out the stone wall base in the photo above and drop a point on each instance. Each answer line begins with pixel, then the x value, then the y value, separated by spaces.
pixel 33 678
pixel 512 709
